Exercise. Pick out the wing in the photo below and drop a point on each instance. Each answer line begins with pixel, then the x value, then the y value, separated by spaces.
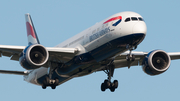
pixel 55 53
pixel 120 60
pixel 174 55
pixel 11 51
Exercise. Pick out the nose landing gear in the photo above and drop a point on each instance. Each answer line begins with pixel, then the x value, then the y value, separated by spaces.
pixel 130 57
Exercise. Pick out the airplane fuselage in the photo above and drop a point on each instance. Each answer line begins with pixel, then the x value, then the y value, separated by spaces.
pixel 97 46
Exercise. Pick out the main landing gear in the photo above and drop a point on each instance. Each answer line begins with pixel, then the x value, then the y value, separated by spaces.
pixel 49 81
pixel 107 84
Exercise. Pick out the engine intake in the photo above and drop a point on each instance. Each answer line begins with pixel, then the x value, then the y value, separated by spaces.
pixel 156 62
pixel 34 56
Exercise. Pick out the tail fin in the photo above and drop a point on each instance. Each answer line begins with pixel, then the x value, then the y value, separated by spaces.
pixel 31 32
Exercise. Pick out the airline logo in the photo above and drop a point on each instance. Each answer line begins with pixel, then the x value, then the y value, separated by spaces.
pixel 119 18
pixel 30 30
pixel 31 34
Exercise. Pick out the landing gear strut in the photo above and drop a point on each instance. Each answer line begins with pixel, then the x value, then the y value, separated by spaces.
pixel 107 84
pixel 48 81
pixel 130 57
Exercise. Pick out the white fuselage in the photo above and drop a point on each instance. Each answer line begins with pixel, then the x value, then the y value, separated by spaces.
pixel 98 35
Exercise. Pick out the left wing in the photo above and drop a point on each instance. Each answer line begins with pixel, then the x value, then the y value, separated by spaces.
pixel 120 60
pixel 174 55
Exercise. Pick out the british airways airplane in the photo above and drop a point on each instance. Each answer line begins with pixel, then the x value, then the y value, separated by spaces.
pixel 106 46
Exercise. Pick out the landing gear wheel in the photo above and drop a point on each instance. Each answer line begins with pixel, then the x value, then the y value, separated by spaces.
pixel 103 87
pixel 107 84
pixel 46 80
pixel 50 82
pixel 112 88
pixel 56 81
pixel 53 87
pixel 45 83
pixel 115 83
pixel 43 87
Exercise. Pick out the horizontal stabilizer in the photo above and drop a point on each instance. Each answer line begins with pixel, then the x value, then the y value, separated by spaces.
pixel 14 72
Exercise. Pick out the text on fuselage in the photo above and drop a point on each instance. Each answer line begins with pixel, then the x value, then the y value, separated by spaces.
pixel 98 34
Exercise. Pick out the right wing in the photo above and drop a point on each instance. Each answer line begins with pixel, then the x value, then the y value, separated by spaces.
pixel 11 51
pixel 55 53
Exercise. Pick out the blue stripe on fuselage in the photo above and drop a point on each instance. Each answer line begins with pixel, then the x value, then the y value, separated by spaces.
pixel 101 53
pixel 115 24
pixel 88 61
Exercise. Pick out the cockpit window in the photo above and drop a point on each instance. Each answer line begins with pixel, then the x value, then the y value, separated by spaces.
pixel 140 19
pixel 133 18
pixel 127 19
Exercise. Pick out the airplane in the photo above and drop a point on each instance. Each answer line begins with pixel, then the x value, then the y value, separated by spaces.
pixel 106 46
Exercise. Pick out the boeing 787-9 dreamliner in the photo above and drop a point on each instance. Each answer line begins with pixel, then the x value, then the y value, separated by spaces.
pixel 106 46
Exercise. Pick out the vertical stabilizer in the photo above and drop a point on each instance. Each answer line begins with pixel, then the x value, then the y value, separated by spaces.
pixel 31 32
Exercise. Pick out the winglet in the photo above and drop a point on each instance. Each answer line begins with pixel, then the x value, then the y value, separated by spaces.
pixel 31 32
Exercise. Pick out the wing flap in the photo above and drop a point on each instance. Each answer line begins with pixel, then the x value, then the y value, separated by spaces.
pixel 11 51
pixel 8 54
pixel 125 63
pixel 15 57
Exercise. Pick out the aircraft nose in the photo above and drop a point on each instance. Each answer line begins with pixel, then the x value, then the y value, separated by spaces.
pixel 140 27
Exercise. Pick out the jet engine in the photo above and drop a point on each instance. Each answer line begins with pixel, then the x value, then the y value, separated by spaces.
pixel 156 62
pixel 33 56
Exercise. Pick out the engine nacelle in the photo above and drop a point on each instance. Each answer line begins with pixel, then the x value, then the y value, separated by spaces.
pixel 156 62
pixel 33 56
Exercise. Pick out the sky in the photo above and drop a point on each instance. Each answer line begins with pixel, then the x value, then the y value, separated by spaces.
pixel 57 20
